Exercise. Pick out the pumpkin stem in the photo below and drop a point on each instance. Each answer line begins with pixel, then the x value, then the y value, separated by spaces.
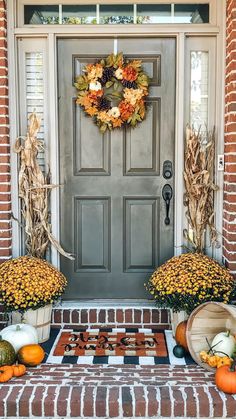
pixel 0 338
pixel 18 328
pixel 228 333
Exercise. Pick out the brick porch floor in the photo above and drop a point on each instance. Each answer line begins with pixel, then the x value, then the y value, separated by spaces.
pixel 129 391
pixel 108 391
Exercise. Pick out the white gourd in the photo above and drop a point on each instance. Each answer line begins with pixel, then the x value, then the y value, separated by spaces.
pixel 223 344
pixel 20 335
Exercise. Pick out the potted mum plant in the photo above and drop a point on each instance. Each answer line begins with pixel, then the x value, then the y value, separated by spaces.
pixel 28 287
pixel 188 280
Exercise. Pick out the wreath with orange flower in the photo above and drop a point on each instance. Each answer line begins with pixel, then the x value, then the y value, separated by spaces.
pixel 113 91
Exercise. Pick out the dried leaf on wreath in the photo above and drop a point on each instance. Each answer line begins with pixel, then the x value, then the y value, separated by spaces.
pixel 81 83
pixel 91 110
pixel 136 64
pixel 103 128
pixel 83 100
pixel 109 84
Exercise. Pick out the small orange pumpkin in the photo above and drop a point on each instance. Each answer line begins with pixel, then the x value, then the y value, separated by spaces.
pixel 18 370
pixel 180 334
pixel 6 373
pixel 31 355
pixel 225 378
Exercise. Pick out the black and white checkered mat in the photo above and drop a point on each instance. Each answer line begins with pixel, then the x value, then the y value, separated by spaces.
pixel 50 345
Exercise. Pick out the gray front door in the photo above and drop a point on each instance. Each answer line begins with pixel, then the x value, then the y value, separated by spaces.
pixel 112 213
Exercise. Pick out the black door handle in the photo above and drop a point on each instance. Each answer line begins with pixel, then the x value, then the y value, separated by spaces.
pixel 167 194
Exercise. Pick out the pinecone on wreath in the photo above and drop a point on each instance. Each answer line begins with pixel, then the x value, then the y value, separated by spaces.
pixel 104 104
pixel 107 74
pixel 129 84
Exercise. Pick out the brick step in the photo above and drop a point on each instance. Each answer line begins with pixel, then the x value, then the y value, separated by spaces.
pixel 128 316
pixel 105 391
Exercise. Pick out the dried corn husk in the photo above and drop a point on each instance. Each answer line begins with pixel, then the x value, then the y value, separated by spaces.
pixel 200 187
pixel 34 192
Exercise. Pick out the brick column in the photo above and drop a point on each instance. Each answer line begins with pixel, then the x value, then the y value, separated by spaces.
pixel 5 186
pixel 229 222
pixel 5 178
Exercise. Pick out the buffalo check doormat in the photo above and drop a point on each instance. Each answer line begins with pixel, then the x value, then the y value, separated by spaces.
pixel 112 346
pixel 114 343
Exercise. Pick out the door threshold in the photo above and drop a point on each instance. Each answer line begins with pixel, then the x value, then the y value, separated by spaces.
pixel 108 303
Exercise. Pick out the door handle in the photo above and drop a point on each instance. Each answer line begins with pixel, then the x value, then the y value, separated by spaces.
pixel 167 194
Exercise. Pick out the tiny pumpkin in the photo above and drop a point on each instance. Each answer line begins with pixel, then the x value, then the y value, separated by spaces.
pixel 180 334
pixel 179 351
pixel 225 378
pixel 6 367
pixel 6 373
pixel 225 360
pixel 204 356
pixel 31 355
pixel 18 370
pixel 213 360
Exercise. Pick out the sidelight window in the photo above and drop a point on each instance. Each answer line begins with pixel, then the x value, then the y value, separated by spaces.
pixel 141 13
pixel 32 88
pixel 200 64
pixel 199 89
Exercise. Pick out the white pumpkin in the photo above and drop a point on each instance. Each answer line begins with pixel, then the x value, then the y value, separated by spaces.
pixel 223 344
pixel 20 335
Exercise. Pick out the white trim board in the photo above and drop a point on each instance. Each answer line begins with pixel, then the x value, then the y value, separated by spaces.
pixel 106 304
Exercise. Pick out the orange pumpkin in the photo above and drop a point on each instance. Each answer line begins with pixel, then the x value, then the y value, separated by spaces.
pixel 180 334
pixel 31 355
pixel 6 373
pixel 225 378
pixel 18 370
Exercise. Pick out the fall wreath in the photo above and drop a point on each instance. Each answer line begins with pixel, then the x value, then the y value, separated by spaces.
pixel 112 91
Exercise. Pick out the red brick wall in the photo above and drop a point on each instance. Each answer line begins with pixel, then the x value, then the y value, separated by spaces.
pixel 229 223
pixel 5 188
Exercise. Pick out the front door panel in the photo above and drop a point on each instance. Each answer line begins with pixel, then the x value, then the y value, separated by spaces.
pixel 112 211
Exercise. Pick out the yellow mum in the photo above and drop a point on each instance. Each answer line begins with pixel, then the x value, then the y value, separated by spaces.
pixel 193 278
pixel 27 281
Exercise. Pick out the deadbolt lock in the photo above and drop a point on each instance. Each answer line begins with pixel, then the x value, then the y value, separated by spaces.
pixel 167 169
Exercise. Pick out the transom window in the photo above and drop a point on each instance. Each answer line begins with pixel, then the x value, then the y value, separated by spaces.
pixel 142 13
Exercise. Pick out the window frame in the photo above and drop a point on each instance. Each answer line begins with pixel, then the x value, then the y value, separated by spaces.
pixel 21 3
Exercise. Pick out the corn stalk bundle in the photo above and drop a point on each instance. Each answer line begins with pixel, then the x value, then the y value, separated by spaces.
pixel 34 192
pixel 200 187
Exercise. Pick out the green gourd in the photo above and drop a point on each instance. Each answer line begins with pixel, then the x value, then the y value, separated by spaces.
pixel 179 351
pixel 7 353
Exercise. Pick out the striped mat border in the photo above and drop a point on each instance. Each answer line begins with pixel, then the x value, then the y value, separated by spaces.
pixel 50 345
